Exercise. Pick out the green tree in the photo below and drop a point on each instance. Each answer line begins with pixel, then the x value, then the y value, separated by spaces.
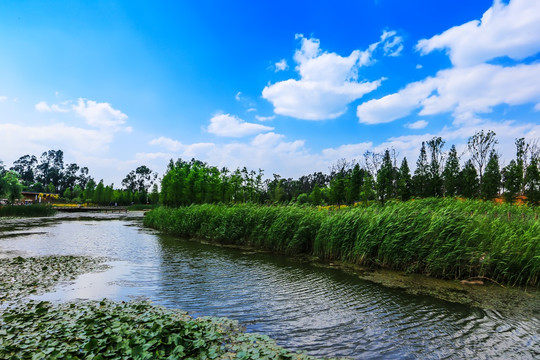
pixel 404 181
pixel 421 174
pixel 367 191
pixel 385 179
pixel 512 180
pixel 532 182
pixel 154 195
pixel 25 166
pixel 11 186
pixel 99 193
pixel 435 181
pixel 490 187
pixel 315 197
pixel 451 173
pixel 89 190
pixel 67 194
pixel 468 181
pixel 480 145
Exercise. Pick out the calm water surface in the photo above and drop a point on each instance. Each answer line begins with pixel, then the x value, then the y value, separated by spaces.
pixel 323 312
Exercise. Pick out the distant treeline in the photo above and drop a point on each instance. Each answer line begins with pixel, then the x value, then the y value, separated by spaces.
pixel 446 238
pixel 437 174
pixel 375 177
pixel 73 183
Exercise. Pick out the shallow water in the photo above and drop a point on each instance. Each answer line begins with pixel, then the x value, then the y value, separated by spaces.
pixel 324 312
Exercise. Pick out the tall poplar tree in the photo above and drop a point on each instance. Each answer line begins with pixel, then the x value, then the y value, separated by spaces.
pixel 404 184
pixel 490 187
pixel 385 179
pixel 421 174
pixel 451 173
pixel 468 181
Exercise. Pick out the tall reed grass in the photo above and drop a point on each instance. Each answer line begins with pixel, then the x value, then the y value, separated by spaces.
pixel 445 238
pixel 26 211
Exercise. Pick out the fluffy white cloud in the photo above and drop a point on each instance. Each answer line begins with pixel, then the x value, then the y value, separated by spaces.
pixel 328 81
pixel 100 115
pixel 511 30
pixel 420 124
pixel 463 91
pixel 17 140
pixel 96 114
pixel 395 106
pixel 281 65
pixel 42 106
pixel 167 143
pixel 232 126
pixel 472 86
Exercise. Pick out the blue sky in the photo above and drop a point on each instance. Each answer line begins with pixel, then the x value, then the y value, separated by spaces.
pixel 289 87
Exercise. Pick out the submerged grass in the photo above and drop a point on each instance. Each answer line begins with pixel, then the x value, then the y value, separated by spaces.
pixel 26 211
pixel 445 238
pixel 20 277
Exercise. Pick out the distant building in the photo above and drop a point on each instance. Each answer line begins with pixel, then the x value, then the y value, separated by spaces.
pixel 31 197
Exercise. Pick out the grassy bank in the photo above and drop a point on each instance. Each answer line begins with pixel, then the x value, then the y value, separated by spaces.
pixel 26 211
pixel 445 238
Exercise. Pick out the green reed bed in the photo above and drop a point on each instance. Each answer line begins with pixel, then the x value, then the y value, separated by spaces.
pixel 445 238
pixel 26 210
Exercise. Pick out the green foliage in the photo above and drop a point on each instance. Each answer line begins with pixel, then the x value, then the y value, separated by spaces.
pixel 27 211
pixel 446 238
pixel 11 186
pixel 451 173
pixel 491 182
pixel 468 181
pixel 134 330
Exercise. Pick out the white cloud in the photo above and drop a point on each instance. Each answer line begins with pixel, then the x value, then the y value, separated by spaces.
pixel 463 91
pixel 100 115
pixel 511 30
pixel 232 126
pixel 42 106
pixel 420 124
pixel 328 81
pixel 167 143
pixel 265 118
pixel 3 98
pixel 238 96
pixel 281 65
pixel 395 106
pixel 472 86
pixel 418 66
pixel 392 44
pixel 17 140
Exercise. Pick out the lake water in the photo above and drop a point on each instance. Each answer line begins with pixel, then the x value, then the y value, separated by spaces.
pixel 321 311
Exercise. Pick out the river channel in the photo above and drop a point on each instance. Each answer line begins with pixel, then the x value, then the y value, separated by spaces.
pixel 322 311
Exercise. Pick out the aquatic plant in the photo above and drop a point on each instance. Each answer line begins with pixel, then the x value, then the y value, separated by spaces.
pixel 132 330
pixel 446 238
pixel 27 211
pixel 20 277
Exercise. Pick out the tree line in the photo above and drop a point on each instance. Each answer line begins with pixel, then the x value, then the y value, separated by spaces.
pixel 73 183
pixel 375 177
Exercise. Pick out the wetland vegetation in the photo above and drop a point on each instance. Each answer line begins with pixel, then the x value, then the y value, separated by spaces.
pixel 445 238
